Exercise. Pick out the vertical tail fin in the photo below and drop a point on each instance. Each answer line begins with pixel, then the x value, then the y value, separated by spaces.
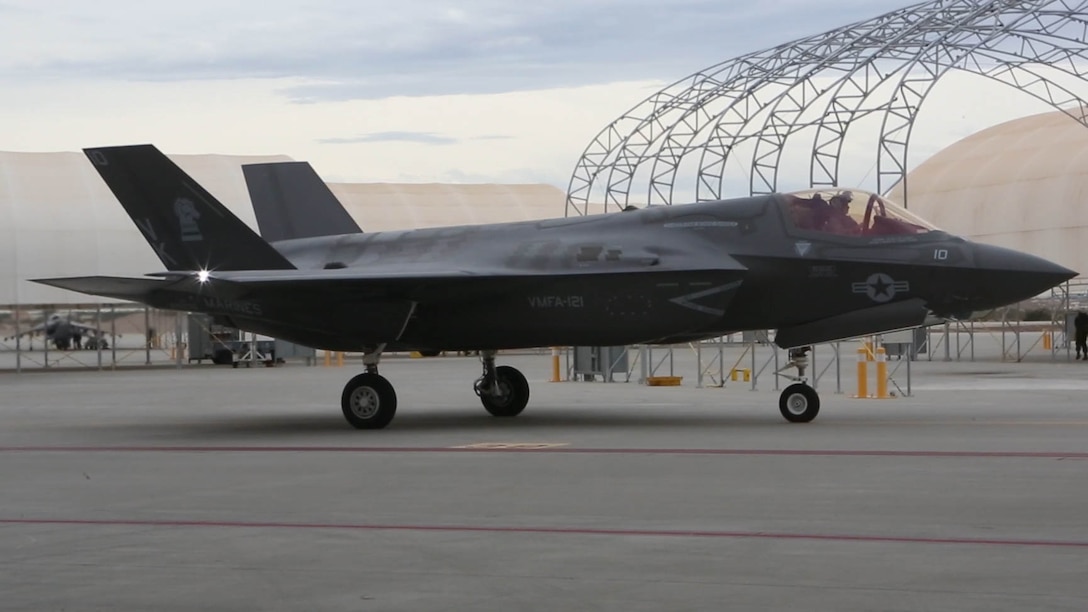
pixel 188 228
pixel 291 201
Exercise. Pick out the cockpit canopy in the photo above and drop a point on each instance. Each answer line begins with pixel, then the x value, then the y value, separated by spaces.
pixel 851 212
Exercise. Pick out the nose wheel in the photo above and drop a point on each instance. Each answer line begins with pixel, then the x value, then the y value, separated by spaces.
pixel 799 403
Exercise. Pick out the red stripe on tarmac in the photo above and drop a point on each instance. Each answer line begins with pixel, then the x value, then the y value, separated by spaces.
pixel 766 535
pixel 553 451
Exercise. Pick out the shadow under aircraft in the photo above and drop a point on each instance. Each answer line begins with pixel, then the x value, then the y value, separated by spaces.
pixel 814 266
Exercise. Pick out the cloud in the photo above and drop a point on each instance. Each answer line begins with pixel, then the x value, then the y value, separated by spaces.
pixel 428 138
pixel 366 49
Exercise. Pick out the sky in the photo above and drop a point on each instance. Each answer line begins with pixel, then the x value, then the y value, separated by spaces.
pixel 367 91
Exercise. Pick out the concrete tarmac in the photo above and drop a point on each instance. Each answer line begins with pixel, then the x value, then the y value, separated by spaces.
pixel 238 489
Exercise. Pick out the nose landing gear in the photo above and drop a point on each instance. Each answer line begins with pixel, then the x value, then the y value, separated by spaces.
pixel 799 403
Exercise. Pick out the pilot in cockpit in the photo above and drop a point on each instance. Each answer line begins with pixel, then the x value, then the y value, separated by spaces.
pixel 840 221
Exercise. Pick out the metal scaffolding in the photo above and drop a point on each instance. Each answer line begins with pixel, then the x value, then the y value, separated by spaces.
pixel 814 89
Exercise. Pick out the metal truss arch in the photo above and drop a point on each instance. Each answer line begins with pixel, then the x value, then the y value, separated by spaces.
pixel 885 66
pixel 1005 65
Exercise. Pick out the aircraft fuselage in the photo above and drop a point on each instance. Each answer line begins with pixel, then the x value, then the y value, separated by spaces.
pixel 660 274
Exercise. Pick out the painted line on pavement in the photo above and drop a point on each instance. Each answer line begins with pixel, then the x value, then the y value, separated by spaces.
pixel 583 531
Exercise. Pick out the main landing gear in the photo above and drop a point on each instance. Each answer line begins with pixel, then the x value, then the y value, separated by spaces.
pixel 369 401
pixel 799 403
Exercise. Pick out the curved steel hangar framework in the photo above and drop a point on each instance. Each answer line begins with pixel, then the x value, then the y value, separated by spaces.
pixel 817 87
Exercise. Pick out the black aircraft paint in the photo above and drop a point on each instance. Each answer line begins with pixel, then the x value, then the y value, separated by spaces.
pixel 656 275
pixel 291 201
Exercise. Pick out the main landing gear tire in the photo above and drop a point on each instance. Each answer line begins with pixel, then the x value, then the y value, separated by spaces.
pixel 799 403
pixel 512 396
pixel 369 401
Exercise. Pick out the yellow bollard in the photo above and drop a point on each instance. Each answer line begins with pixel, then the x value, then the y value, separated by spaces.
pixel 881 373
pixel 1048 341
pixel 328 358
pixel 863 373
pixel 555 364
pixel 339 359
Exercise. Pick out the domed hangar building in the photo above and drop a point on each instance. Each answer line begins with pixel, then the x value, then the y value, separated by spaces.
pixel 730 129
pixel 1022 184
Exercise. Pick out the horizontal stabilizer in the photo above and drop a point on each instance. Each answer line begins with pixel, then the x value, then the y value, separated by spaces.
pixel 131 289
pixel 875 320
pixel 291 201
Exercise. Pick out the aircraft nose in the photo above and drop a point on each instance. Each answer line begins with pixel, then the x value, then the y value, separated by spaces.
pixel 1019 275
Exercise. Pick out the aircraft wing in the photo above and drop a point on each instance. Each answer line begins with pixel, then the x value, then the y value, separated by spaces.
pixel 415 283
pixel 402 282
pixel 84 328
pixel 37 329
pixel 138 289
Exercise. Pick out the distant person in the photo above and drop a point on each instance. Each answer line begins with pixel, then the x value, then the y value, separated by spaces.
pixel 1080 328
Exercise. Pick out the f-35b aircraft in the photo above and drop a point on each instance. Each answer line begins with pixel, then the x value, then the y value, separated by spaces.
pixel 802 264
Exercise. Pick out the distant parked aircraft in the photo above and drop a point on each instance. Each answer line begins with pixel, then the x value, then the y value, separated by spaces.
pixel 67 334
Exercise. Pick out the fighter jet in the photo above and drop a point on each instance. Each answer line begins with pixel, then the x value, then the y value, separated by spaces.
pixel 658 275
pixel 67 334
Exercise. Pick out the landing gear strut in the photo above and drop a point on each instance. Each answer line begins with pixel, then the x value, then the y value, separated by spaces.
pixel 799 403
pixel 503 390
pixel 369 401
